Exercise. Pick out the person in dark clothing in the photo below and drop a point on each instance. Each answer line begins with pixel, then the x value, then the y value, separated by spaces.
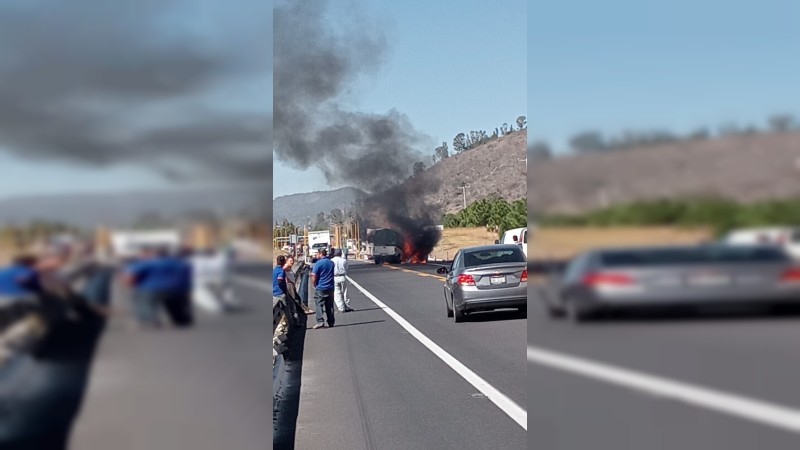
pixel 44 377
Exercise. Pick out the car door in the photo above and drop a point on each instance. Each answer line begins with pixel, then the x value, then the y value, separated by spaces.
pixel 448 283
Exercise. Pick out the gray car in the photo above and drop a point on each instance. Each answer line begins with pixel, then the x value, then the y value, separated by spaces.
pixel 613 279
pixel 485 278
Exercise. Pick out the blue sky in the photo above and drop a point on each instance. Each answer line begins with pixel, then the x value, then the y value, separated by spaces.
pixel 676 65
pixel 452 66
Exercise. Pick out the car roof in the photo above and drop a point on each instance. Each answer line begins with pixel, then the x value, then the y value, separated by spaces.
pixel 479 248
pixel 599 251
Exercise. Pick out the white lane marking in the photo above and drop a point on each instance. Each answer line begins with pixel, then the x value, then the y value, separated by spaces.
pixel 507 405
pixel 735 405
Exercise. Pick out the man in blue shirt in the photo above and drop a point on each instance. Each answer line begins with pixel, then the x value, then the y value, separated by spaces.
pixel 18 279
pixel 322 278
pixel 279 288
pixel 161 280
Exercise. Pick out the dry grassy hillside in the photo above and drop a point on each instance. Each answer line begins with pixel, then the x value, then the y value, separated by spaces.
pixel 562 243
pixel 747 168
pixel 492 168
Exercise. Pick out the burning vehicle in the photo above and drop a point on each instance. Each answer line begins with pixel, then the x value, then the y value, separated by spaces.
pixel 386 245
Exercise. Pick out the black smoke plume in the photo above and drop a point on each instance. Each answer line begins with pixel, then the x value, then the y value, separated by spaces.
pixel 315 67
pixel 97 83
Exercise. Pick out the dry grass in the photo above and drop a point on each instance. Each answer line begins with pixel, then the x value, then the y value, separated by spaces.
pixel 560 243
pixel 456 238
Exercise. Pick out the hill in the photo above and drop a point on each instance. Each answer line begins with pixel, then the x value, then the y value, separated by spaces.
pixel 493 168
pixel 124 209
pixel 746 168
pixel 302 208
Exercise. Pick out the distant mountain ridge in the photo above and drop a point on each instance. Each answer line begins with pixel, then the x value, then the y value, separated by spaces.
pixel 494 168
pixel 303 208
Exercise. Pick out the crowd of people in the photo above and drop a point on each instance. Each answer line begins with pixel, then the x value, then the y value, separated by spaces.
pixel 328 277
pixel 54 304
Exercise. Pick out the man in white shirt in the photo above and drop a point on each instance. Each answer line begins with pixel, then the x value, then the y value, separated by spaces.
pixel 340 282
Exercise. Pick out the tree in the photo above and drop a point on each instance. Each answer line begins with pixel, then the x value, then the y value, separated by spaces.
pixel 781 122
pixel 460 143
pixel 321 223
pixel 504 129
pixel 522 122
pixel 419 167
pixel 700 133
pixel 587 141
pixel 540 150
pixel 441 152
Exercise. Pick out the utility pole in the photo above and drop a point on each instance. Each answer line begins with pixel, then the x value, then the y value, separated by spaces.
pixel 464 192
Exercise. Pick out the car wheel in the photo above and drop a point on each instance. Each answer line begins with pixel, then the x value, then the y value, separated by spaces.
pixel 575 313
pixel 446 304
pixel 377 261
pixel 555 312
pixel 458 314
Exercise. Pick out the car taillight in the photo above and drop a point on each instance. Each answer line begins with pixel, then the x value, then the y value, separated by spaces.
pixel 466 280
pixel 607 279
pixel 791 276
pixel 524 276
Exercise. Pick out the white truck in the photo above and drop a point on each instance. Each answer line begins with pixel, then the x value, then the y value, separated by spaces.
pixel 128 243
pixel 385 245
pixel 521 235
pixel 788 238
pixel 318 240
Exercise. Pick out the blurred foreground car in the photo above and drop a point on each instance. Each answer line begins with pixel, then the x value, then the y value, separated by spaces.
pixel 485 278
pixel 614 279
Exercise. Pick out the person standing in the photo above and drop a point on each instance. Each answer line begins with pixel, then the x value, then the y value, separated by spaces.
pixel 322 279
pixel 279 287
pixel 340 282
pixel 17 278
pixel 292 285
pixel 161 280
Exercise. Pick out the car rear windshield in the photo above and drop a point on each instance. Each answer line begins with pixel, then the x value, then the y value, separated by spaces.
pixel 499 256
pixel 720 255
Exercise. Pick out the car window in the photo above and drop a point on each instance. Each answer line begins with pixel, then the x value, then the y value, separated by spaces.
pixel 576 267
pixel 454 264
pixel 525 237
pixel 679 256
pixel 494 256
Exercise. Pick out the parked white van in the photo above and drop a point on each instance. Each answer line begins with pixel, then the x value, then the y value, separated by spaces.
pixel 521 235
pixel 786 237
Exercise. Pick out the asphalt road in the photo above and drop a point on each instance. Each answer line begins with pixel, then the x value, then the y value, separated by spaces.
pixel 205 388
pixel 735 354
pixel 368 383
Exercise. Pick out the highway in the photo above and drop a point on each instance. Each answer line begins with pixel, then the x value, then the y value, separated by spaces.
pixel 384 377
pixel 713 381
pixel 205 388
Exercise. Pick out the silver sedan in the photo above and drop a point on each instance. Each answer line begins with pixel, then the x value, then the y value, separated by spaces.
pixel 485 278
pixel 681 276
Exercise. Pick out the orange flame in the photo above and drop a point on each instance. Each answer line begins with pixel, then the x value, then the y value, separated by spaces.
pixel 411 254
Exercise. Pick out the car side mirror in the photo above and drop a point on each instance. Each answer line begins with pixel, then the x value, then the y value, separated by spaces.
pixel 441 270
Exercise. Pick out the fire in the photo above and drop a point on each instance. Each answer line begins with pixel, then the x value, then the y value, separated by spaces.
pixel 412 254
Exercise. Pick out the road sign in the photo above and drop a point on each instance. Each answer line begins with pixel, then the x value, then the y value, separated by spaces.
pixel 293 239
